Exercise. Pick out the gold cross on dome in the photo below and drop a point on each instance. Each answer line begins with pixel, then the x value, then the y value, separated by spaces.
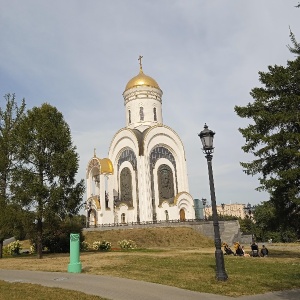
pixel 140 60
pixel 94 152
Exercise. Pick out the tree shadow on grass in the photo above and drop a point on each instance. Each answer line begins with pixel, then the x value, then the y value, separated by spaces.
pixel 284 254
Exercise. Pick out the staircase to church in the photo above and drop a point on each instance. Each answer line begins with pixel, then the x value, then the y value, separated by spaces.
pixel 229 231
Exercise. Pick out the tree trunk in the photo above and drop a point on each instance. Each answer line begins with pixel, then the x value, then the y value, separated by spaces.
pixel 39 244
pixel 1 248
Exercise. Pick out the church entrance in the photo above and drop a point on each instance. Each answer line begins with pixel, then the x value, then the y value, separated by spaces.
pixel 92 219
pixel 182 215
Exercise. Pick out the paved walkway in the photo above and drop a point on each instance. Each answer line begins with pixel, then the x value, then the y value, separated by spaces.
pixel 125 289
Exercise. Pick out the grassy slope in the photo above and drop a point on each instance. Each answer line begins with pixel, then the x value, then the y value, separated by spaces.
pixel 179 237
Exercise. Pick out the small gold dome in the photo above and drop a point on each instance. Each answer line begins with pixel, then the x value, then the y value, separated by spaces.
pixel 141 80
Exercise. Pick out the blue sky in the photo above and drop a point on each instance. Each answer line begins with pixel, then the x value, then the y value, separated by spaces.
pixel 205 55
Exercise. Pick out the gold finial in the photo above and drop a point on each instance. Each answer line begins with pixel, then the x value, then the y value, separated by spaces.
pixel 140 60
pixel 94 152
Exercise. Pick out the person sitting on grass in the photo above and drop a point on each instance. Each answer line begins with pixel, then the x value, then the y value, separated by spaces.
pixel 227 250
pixel 254 250
pixel 238 249
pixel 264 251
pixel 245 254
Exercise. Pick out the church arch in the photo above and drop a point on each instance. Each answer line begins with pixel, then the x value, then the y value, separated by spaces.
pixel 127 155
pixel 92 217
pixel 127 192
pixel 182 215
pixel 126 185
pixel 162 155
pixel 165 183
pixel 123 218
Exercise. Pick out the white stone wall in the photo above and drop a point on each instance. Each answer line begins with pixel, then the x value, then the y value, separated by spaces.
pixel 147 98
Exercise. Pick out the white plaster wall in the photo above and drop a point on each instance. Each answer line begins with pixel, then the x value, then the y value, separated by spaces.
pixel 129 213
pixel 146 97
pixel 145 204
pixel 186 202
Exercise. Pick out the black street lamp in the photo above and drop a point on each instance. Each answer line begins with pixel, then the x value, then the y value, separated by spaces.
pixel 223 207
pixel 207 137
pixel 204 205
pixel 249 214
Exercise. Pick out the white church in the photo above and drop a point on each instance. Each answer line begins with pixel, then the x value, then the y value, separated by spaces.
pixel 144 178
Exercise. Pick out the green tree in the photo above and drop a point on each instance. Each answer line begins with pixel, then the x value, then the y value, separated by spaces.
pixel 44 181
pixel 274 137
pixel 10 116
pixel 246 225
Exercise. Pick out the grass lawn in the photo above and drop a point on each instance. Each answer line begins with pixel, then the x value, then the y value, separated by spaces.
pixel 25 291
pixel 191 268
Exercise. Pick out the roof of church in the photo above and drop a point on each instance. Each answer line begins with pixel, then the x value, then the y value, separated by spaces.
pixel 104 165
pixel 141 80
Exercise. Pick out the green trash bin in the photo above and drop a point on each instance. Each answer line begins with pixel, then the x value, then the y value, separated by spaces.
pixel 75 264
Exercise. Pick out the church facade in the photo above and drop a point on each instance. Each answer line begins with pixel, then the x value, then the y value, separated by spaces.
pixel 144 178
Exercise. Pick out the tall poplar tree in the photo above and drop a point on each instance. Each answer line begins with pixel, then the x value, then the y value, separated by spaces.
pixel 10 115
pixel 44 181
pixel 273 137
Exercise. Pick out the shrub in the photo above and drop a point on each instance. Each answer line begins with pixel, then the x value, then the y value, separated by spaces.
pixel 127 244
pixel 85 246
pixel 56 236
pixel 32 249
pixel 13 248
pixel 102 246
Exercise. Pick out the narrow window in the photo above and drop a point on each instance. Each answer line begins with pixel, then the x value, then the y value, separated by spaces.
pixel 154 114
pixel 141 113
pixel 123 218
pixel 167 215
pixel 129 116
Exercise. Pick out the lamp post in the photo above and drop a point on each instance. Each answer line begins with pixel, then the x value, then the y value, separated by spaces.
pixel 223 207
pixel 88 211
pixel 207 137
pixel 204 205
pixel 249 211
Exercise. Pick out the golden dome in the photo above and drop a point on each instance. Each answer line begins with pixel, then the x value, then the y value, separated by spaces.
pixel 141 80
pixel 106 166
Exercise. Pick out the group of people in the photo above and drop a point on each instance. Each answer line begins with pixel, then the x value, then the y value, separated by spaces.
pixel 240 251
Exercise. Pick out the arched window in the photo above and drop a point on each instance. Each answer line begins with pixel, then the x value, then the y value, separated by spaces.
pixel 141 113
pixel 165 183
pixel 126 185
pixel 123 218
pixel 167 215
pixel 129 116
pixel 154 114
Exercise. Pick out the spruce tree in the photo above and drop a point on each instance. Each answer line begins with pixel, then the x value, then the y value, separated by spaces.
pixel 273 137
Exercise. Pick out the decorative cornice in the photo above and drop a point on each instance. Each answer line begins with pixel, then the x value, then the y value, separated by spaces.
pixel 143 94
